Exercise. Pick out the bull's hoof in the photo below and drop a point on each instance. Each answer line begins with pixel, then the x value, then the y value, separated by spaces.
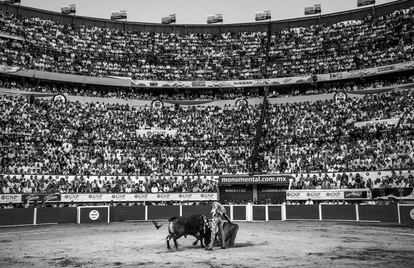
pixel 202 246
pixel 208 248
pixel 195 243
pixel 223 247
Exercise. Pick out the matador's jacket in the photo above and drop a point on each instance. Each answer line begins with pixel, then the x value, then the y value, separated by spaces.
pixel 217 211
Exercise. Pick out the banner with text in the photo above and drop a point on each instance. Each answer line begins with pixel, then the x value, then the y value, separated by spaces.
pixel 138 197
pixel 275 81
pixel 339 194
pixel 386 122
pixel 156 132
pixel 10 198
pixel 282 180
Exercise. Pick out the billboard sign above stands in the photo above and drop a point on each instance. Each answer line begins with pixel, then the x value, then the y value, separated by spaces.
pixel 275 179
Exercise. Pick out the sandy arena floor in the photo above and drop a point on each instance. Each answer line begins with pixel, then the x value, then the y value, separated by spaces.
pixel 259 244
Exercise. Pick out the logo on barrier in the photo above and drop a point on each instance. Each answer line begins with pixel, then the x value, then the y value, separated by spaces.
pixel 71 196
pixel 185 195
pixel 145 196
pixel 9 197
pixel 163 195
pixel 353 194
pixel 33 197
pixel 94 215
pixel 52 197
pixel 412 214
pixel 292 194
pixel 118 196
pixel 333 194
pixel 207 195
pixel 95 196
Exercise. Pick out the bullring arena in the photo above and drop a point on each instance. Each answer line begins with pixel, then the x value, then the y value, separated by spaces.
pixel 292 135
pixel 258 244
pixel 370 239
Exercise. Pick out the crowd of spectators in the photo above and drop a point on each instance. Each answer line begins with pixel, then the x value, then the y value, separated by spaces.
pixel 97 51
pixel 323 136
pixel 45 137
pixel 27 184
pixel 397 180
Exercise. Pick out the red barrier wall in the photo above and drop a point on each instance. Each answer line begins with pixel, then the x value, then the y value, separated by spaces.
pixel 121 214
pixel 16 216
pixel 259 213
pixel 56 215
pixel 93 214
pixel 407 214
pixel 382 213
pixel 162 212
pixel 339 212
pixel 275 212
pixel 239 213
pixel 194 210
pixel 302 212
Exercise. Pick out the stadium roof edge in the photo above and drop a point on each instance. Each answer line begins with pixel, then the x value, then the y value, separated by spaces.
pixel 277 25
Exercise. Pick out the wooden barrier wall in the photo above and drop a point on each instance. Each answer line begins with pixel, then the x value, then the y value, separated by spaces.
pixel 394 213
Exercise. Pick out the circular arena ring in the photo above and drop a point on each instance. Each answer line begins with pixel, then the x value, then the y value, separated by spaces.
pixel 258 244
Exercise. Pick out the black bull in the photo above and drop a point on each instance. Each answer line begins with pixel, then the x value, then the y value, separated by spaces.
pixel 194 225
pixel 197 226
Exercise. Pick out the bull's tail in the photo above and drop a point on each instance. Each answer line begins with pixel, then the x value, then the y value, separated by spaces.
pixel 158 226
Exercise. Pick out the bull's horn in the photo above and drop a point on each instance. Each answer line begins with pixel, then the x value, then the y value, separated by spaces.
pixel 158 226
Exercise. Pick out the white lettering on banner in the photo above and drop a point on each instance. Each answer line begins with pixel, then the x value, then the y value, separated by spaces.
pixel 254 179
pixel 10 198
pixel 412 214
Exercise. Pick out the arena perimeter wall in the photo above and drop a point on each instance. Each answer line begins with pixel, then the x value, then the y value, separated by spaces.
pixel 393 213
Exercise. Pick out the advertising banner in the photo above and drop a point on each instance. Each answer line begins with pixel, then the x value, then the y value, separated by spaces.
pixel 10 198
pixel 339 194
pixel 275 81
pixel 8 69
pixel 282 180
pixel 153 132
pixel 31 198
pixel 389 121
pixel 138 197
